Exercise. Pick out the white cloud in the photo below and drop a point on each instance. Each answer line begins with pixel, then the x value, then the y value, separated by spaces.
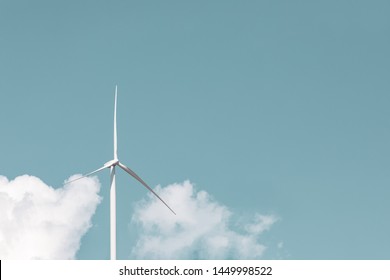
pixel 201 229
pixel 40 222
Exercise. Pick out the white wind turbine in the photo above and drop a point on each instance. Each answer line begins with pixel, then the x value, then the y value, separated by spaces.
pixel 112 164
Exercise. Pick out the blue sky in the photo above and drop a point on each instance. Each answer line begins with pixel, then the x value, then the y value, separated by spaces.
pixel 272 107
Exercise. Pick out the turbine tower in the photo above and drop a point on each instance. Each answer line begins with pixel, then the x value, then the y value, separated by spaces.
pixel 112 164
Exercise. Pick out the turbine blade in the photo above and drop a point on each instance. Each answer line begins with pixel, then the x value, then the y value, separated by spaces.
pixel 132 173
pixel 86 175
pixel 115 133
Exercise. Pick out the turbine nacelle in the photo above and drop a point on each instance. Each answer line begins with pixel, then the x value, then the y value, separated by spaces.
pixel 110 163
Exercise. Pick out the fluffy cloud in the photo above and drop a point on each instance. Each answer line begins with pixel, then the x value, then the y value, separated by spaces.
pixel 201 229
pixel 40 222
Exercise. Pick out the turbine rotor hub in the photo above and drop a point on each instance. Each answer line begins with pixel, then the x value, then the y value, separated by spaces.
pixel 112 162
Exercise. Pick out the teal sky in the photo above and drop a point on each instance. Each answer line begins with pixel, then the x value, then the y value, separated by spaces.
pixel 276 107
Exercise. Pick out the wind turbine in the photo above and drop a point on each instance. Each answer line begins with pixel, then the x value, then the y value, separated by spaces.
pixel 112 164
